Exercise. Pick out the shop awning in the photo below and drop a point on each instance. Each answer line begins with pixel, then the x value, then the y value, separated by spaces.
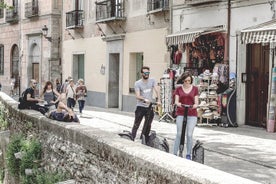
pixel 189 35
pixel 262 33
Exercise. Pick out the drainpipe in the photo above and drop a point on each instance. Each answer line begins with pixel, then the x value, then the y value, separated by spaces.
pixel 171 16
pixel 229 27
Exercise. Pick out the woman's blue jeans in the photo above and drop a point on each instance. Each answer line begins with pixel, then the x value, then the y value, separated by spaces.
pixel 81 105
pixel 191 123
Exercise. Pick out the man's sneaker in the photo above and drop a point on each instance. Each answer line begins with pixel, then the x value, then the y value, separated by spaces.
pixel 188 157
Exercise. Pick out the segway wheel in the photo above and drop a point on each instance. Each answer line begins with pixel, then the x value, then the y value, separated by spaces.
pixel 199 155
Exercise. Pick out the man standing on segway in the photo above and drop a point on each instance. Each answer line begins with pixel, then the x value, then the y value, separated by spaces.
pixel 144 94
pixel 186 94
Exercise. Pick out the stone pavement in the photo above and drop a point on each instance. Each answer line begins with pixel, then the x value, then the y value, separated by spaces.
pixel 245 151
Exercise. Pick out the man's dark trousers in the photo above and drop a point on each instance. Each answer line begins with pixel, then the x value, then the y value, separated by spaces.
pixel 141 112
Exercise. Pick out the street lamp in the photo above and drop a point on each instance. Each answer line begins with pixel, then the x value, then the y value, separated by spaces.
pixel 45 33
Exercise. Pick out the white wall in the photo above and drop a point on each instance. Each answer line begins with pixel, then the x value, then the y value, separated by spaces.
pixel 94 50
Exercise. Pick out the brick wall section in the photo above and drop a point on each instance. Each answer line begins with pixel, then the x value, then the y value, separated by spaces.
pixel 94 156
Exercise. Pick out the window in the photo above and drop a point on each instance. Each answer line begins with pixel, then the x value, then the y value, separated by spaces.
pixel 78 66
pixel 1 59
pixel 135 65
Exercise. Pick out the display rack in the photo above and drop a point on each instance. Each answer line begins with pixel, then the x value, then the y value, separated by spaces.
pixel 208 101
pixel 166 99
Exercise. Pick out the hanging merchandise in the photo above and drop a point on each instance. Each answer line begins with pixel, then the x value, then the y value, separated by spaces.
pixel 166 98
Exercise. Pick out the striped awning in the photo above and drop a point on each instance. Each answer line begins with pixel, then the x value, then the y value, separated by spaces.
pixel 189 35
pixel 262 33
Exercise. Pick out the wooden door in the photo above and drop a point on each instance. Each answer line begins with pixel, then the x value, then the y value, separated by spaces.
pixel 257 84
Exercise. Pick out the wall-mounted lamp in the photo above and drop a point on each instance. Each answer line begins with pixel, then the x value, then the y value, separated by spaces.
pixel 45 33
pixel 102 70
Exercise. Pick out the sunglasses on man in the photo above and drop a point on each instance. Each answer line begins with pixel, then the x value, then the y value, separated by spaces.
pixel 146 73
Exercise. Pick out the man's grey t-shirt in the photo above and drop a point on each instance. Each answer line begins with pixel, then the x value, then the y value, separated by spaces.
pixel 146 90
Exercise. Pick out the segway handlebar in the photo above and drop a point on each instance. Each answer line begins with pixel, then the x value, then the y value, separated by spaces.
pixel 185 105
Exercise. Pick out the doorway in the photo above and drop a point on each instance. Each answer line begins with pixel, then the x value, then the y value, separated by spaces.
pixel 257 84
pixel 113 81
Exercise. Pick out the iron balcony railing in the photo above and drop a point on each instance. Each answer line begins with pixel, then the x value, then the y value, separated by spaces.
pixel 12 15
pixel 74 19
pixel 109 10
pixel 155 5
pixel 198 2
pixel 31 9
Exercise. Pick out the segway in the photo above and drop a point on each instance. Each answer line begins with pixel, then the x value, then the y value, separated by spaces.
pixel 184 124
pixel 198 150
pixel 152 140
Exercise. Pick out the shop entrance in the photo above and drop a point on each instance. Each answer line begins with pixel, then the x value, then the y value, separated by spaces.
pixel 257 84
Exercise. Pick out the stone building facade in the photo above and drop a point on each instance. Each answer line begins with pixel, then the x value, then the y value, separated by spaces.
pixel 25 52
pixel 107 42
pixel 248 52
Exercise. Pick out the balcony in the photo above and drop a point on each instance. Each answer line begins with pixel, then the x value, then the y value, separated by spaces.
pixel 158 5
pixel 74 19
pixel 109 10
pixel 11 15
pixel 31 9
pixel 200 2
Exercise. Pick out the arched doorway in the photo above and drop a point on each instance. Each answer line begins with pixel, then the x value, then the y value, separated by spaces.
pixel 15 81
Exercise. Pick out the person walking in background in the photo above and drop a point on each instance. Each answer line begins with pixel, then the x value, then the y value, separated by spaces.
pixel 186 94
pixel 58 85
pixel 50 95
pixel 144 94
pixel 29 100
pixel 71 94
pixel 65 85
pixel 81 92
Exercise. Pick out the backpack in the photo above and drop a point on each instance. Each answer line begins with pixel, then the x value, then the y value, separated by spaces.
pixel 22 100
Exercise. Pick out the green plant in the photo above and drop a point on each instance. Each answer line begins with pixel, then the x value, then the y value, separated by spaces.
pixel 14 146
pixel 43 178
pixel 32 153
pixel 3 114
pixel 2 175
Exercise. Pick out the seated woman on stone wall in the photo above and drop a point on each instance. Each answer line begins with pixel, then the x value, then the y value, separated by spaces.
pixel 63 113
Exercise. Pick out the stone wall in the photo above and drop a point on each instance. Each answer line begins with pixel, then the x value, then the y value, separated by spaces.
pixel 94 156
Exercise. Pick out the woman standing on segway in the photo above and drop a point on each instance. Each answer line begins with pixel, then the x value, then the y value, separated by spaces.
pixel 186 94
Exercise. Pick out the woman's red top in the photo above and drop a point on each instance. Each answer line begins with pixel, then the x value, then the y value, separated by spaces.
pixel 187 99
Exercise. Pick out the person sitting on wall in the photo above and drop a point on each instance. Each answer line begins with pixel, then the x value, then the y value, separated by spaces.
pixel 29 100
pixel 62 112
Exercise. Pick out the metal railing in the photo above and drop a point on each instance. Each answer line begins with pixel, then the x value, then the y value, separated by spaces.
pixel 12 15
pixel 31 9
pixel 75 19
pixel 198 2
pixel 158 5
pixel 110 9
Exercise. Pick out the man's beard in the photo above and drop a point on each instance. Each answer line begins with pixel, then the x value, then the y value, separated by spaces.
pixel 145 77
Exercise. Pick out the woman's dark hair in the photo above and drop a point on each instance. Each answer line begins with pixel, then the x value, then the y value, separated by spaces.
pixel 45 87
pixel 184 76
pixel 145 67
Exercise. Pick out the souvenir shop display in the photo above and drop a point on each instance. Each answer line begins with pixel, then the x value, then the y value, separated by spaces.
pixel 208 108
pixel 166 97
pixel 205 59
